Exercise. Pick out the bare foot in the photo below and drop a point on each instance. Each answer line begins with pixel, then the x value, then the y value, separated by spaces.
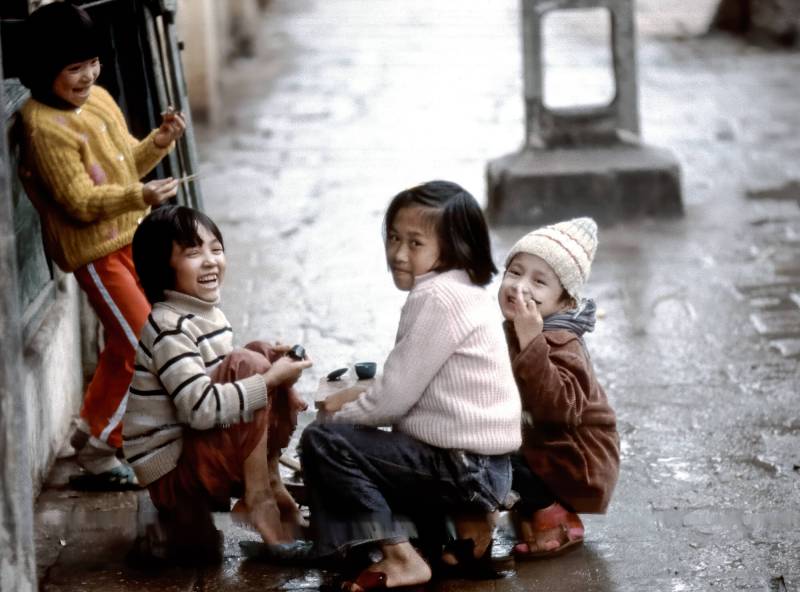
pixel 264 517
pixel 402 565
pixel 537 542
pixel 549 529
pixel 292 519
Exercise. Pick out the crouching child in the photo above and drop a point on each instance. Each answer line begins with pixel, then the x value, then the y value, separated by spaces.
pixel 204 422
pixel 569 460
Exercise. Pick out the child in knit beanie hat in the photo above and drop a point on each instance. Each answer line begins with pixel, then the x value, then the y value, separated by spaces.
pixel 569 460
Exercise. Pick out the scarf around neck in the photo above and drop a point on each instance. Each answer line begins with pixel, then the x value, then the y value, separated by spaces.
pixel 579 320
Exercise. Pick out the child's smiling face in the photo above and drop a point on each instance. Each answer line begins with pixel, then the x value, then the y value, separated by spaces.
pixel 412 246
pixel 199 270
pixel 74 83
pixel 531 276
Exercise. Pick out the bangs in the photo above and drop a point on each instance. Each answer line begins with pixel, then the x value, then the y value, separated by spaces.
pixel 430 217
pixel 186 228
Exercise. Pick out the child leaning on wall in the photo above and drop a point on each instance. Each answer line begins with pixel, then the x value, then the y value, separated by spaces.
pixel 205 422
pixel 81 168
pixel 569 460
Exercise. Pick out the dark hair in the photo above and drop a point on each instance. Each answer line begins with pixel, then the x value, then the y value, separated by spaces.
pixel 56 35
pixel 152 245
pixel 460 227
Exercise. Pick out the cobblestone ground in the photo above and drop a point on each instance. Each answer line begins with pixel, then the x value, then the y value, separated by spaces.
pixel 347 102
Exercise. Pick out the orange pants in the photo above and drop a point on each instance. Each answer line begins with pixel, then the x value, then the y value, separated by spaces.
pixel 211 468
pixel 116 296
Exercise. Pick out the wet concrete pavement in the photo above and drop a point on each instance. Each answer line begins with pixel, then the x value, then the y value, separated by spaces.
pixel 698 342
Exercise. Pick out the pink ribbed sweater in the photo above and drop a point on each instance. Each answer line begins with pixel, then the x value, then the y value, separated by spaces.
pixel 448 380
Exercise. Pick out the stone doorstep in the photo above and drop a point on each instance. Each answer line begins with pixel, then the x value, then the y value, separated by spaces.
pixel 609 183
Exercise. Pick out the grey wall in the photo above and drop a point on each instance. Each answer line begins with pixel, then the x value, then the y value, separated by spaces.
pixel 17 558
pixel 52 377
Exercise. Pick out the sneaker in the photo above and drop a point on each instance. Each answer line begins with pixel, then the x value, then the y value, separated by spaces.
pixel 120 478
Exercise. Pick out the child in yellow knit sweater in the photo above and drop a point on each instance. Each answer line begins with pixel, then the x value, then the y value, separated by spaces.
pixel 81 169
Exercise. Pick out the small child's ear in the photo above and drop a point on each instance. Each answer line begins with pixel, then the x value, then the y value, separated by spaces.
pixel 568 301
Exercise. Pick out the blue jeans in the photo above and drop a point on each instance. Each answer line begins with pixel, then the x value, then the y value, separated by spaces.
pixel 367 485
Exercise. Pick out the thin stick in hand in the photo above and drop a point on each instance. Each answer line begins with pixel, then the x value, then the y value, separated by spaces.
pixel 188 178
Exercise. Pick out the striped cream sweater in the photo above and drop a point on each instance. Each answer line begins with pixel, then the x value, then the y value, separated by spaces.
pixel 81 169
pixel 183 340
pixel 448 380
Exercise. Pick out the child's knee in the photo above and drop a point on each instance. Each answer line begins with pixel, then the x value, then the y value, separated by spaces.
pixel 240 363
pixel 314 437
pixel 262 348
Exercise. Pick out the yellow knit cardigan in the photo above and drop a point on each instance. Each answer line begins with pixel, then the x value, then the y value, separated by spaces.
pixel 81 169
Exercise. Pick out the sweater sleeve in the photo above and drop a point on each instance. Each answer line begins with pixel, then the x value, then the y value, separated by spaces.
pixel 201 403
pixel 552 381
pixel 57 158
pixel 428 340
pixel 146 155
pixel 511 339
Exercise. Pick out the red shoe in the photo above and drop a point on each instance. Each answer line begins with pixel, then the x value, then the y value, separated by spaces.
pixel 552 531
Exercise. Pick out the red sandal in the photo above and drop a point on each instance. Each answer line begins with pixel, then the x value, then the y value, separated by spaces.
pixel 375 580
pixel 554 527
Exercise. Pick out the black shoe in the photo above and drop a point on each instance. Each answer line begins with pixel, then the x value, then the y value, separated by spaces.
pixel 121 478
pixel 468 567
pixel 300 553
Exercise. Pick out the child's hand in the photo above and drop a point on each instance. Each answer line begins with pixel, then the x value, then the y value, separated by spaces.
pixel 172 127
pixel 285 372
pixel 280 348
pixel 338 399
pixel 159 190
pixel 527 320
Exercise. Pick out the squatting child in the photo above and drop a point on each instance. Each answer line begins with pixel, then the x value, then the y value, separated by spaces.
pixel 569 460
pixel 81 168
pixel 448 392
pixel 197 429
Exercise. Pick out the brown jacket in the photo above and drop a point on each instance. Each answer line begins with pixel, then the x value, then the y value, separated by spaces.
pixel 569 434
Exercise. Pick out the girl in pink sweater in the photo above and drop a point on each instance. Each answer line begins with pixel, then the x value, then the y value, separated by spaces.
pixel 446 390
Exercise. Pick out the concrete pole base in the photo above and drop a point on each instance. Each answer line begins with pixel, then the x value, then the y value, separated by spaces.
pixel 609 183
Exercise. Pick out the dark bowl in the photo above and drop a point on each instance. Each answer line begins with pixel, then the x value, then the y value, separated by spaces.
pixel 337 374
pixel 365 370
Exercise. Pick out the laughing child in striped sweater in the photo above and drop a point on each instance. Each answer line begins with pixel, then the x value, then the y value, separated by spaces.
pixel 204 422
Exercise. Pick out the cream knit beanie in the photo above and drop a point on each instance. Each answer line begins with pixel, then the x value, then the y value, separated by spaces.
pixel 568 247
